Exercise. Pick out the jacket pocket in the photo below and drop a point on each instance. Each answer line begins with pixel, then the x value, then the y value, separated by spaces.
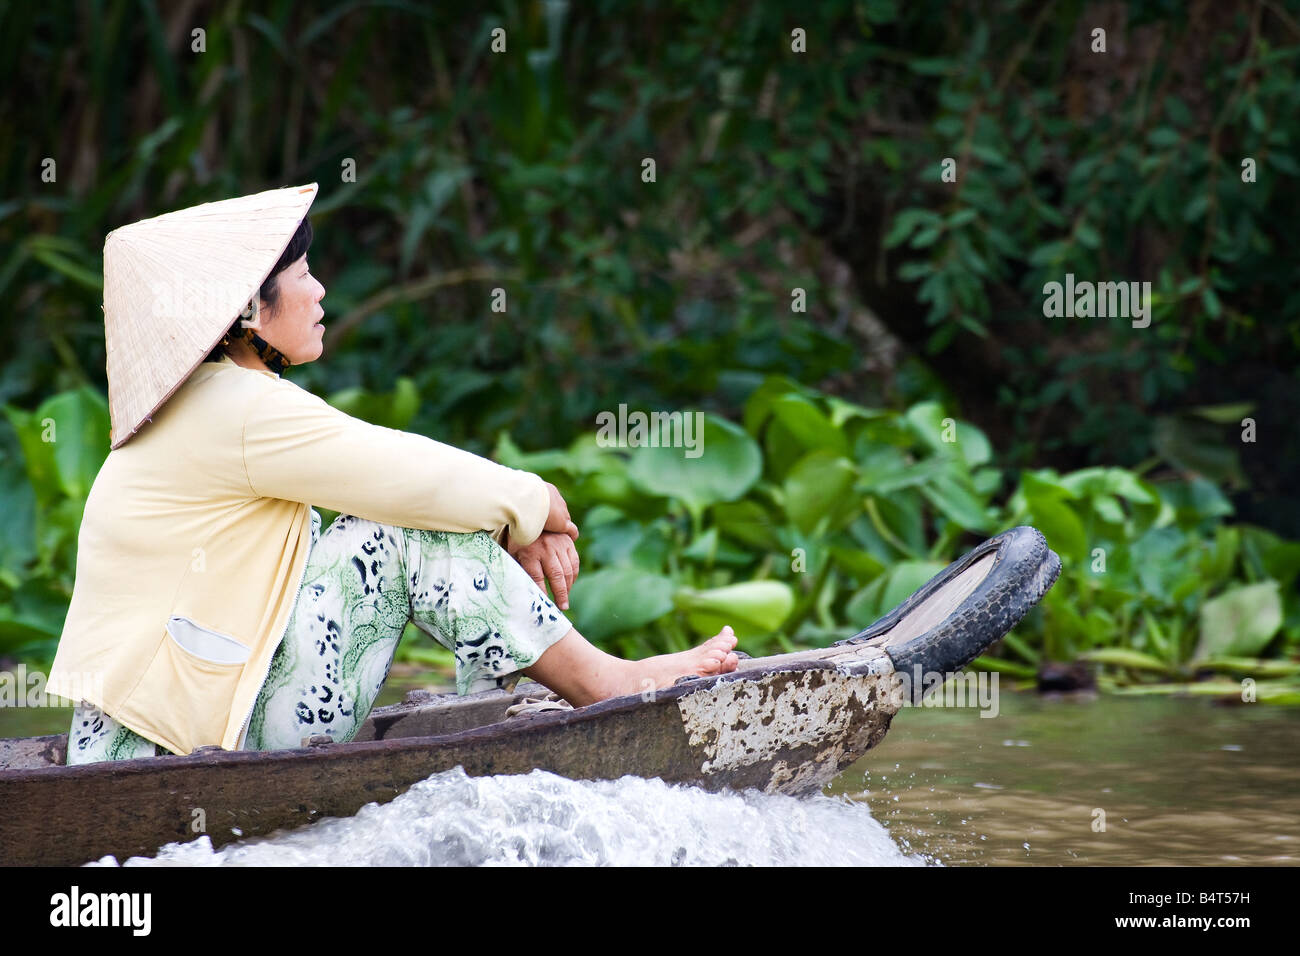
pixel 205 643
pixel 188 689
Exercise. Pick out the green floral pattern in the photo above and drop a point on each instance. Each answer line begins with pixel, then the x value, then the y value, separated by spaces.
pixel 363 582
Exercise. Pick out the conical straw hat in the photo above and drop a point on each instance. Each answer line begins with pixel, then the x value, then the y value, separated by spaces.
pixel 173 286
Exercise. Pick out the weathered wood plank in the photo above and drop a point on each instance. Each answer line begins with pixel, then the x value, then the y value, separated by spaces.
pixel 708 732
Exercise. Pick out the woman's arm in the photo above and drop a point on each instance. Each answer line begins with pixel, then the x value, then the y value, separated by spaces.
pixel 299 447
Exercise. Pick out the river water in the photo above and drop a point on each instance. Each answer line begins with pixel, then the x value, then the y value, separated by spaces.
pixel 1110 780
pixel 1174 781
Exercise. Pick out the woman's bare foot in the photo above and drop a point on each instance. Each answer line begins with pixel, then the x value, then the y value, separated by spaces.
pixel 583 674
pixel 654 673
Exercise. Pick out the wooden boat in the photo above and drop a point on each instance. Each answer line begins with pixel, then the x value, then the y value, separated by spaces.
pixel 787 723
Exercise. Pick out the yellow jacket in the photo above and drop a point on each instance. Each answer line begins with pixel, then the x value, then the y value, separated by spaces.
pixel 194 542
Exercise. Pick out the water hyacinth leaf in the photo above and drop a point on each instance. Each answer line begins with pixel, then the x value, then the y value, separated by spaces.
pixel 610 543
pixel 38 456
pixel 752 608
pixel 1084 482
pixel 729 464
pixel 34 615
pixel 973 444
pixel 790 540
pixel 758 407
pixel 610 489
pixel 651 552
pixel 889 431
pixel 1124 657
pixel 783 449
pixel 808 424
pixel 1108 509
pixel 958 503
pixel 926 420
pixel 1152 554
pixel 405 403
pixel 843 411
pixel 1125 484
pixel 1217 563
pixel 1022 671
pixel 703 548
pixel 1251 666
pixel 1046 484
pixel 76 426
pixel 986 482
pixel 1107 481
pixel 816 486
pixel 57 527
pixel 904 579
pixel 1277 692
pixel 1098 625
pixel 885 469
pixel 391 410
pixel 615 600
pixel 598 516
pixel 16 631
pixel 512 456
pixel 889 590
pixel 18 533
pixel 1152 512
pixel 1271 556
pixel 747 522
pixel 1186 584
pixel 1198 446
pixel 862 609
pixel 900 520
pixel 1240 622
pixel 709 549
pixel 861 564
pixel 1059 524
pixel 586 454
pixel 1194 501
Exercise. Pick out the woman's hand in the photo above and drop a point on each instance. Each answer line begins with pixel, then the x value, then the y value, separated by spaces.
pixel 558 520
pixel 551 557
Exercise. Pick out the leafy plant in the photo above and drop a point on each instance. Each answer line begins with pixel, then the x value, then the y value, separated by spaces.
pixel 854 508
pixel 807 521
pixel 63 444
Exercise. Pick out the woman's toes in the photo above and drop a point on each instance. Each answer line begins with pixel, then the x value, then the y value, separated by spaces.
pixel 720 658
pixel 724 639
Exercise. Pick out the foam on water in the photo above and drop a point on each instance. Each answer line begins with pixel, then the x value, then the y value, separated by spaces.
pixel 452 819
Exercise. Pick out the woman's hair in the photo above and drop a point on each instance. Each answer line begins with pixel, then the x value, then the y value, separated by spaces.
pixel 270 290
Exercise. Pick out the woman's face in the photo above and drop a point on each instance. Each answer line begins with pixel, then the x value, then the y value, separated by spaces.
pixel 293 326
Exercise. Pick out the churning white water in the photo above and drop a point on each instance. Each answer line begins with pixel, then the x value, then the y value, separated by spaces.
pixel 540 819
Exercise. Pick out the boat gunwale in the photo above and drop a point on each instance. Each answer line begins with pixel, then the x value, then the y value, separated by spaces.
pixel 858 664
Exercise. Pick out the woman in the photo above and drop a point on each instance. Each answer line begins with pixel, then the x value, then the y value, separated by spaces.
pixel 209 609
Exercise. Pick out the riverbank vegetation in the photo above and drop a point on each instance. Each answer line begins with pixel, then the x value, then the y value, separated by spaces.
pixel 830 232
pixel 798 525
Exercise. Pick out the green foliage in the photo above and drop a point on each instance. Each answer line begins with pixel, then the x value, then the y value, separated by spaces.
pixel 525 175
pixel 855 508
pixel 63 444
pixel 809 521
pixel 522 172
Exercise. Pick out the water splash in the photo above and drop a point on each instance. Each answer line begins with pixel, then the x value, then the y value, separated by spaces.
pixel 540 819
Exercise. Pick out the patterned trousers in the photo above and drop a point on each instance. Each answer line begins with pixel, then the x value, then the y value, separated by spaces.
pixel 363 582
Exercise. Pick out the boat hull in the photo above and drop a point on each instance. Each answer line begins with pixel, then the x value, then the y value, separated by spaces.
pixel 786 726
pixel 783 724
